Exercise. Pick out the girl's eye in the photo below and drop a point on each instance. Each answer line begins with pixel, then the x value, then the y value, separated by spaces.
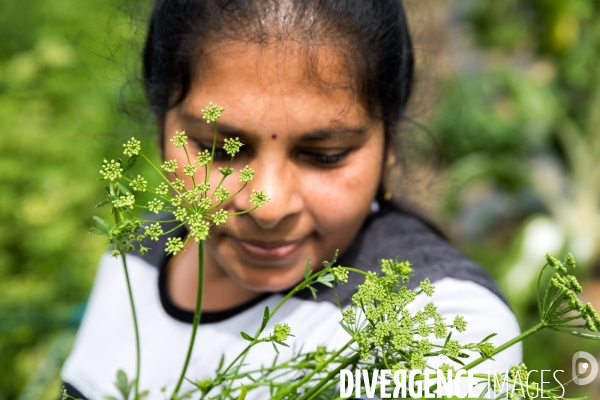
pixel 220 153
pixel 324 158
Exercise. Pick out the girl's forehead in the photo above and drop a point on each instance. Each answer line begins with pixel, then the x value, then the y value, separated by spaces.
pixel 277 81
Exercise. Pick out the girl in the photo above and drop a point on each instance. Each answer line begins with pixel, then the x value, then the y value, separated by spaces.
pixel 315 89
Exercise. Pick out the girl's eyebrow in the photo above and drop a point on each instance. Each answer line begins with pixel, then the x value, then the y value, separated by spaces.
pixel 311 136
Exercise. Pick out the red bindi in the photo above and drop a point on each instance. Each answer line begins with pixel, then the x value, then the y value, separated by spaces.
pixel 274 136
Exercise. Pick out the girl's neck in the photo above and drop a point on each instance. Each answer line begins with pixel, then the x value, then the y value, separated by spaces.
pixel 220 291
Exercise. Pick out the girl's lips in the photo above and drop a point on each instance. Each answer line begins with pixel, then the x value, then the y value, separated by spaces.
pixel 265 252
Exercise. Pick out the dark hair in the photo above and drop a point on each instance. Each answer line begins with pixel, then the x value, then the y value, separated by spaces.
pixel 374 34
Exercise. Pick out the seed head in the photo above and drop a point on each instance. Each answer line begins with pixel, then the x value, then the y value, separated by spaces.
pixel 132 147
pixel 111 170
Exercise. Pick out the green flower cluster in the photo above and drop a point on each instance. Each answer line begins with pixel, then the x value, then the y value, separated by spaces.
pixel 561 298
pixel 281 332
pixel 193 206
pixel 392 333
pixel 211 113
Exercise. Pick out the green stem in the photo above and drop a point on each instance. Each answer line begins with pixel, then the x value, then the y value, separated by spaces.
pixel 135 325
pixel 506 345
pixel 135 320
pixel 310 394
pixel 196 320
pixel 318 369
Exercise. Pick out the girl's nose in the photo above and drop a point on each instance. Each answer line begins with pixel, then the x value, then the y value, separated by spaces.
pixel 280 184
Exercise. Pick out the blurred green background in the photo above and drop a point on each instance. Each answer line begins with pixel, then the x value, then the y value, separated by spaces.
pixel 515 113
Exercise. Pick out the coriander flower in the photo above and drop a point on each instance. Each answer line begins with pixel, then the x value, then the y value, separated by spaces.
pixel 211 113
pixel 162 189
pixel 430 310
pixel 246 174
pixel 280 332
pixel 203 158
pixel 180 139
pixel 199 230
pixel 125 202
pixel 486 350
pixel 440 330
pixel 139 184
pixel 178 184
pixel 452 348
pixel 427 287
pixel 226 171
pixel 189 170
pixel 202 188
pixel 176 201
pixel 446 367
pixel 155 206
pixel 349 316
pixel 204 203
pixel 555 263
pixel 170 166
pixel 232 146
pixel 115 253
pixel 570 260
pixel 460 324
pixel 340 274
pixel 220 217
pixel 222 194
pixel 132 147
pixel 111 170
pixel 180 214
pixel 258 198
pixel 153 231
pixel 190 196
pixel 174 245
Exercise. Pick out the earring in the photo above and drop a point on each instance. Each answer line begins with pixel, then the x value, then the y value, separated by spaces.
pixel 374 207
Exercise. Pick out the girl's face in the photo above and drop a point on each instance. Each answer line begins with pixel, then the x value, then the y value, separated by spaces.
pixel 317 155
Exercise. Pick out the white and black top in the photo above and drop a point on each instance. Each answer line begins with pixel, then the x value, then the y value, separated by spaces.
pixel 105 341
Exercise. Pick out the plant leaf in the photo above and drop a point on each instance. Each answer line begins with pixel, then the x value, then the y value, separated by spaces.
pixel 247 337
pixel 456 360
pixel 275 347
pixel 488 337
pixel 96 231
pixel 313 291
pixel 123 189
pixel 101 224
pixel 130 163
pixel 102 203
pixel 122 384
pixel 448 339
pixel 307 270
pixel 242 395
pixel 266 316
pixel 221 362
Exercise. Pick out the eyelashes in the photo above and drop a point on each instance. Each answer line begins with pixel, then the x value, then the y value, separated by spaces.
pixel 311 156
pixel 326 159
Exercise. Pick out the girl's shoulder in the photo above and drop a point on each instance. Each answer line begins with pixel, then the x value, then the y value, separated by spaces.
pixel 395 231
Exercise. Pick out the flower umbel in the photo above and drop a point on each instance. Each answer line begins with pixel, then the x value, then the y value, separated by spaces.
pixel 211 113
pixel 258 198
pixel 232 146
pixel 111 170
pixel 132 147
pixel 180 139
pixel 246 174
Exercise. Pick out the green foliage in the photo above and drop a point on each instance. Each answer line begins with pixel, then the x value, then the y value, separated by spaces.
pixel 62 67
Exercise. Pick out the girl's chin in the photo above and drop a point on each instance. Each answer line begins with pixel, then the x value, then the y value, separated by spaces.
pixel 268 279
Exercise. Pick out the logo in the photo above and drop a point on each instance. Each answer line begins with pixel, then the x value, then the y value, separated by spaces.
pixel 580 367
